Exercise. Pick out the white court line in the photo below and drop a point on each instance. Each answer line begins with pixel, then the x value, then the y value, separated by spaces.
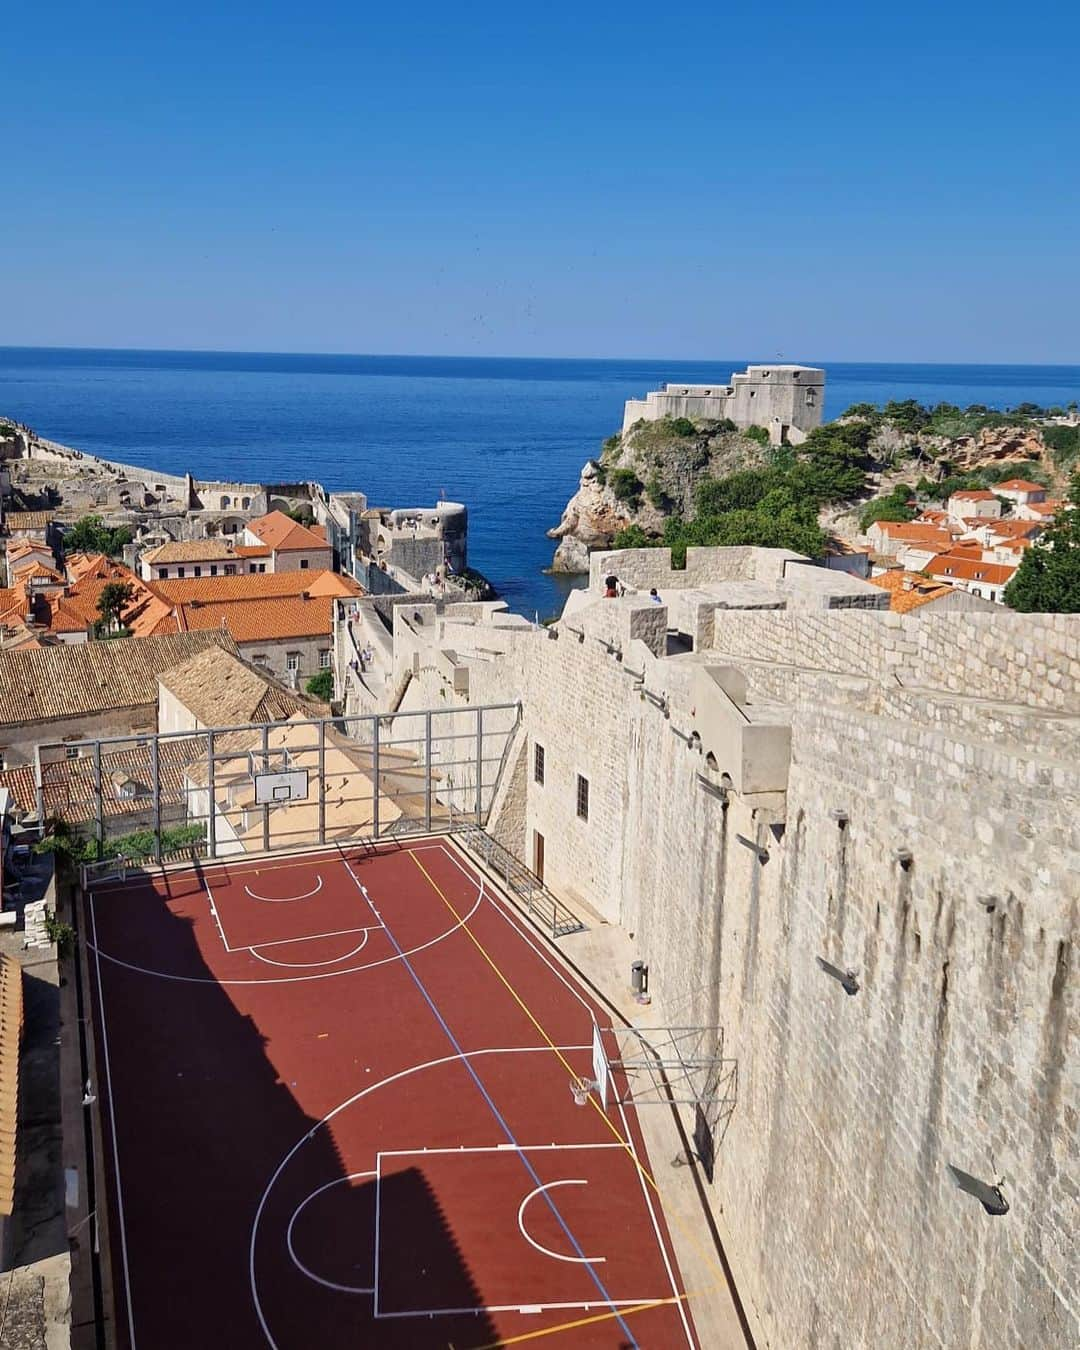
pixel 286 899
pixel 651 1300
pixel 112 1130
pixel 293 979
pixel 329 1284
pixel 301 965
pixel 517 923
pixel 493 1148
pixel 545 1251
pixel 314 937
pixel 350 1101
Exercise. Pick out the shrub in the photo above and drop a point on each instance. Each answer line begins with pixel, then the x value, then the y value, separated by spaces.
pixel 656 494
pixel 682 426
pixel 1063 443
pixel 634 537
pixel 321 686
pixel 885 508
pixel 758 434
pixel 626 486
pixel 56 930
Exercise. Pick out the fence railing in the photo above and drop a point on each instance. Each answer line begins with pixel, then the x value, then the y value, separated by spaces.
pixel 538 901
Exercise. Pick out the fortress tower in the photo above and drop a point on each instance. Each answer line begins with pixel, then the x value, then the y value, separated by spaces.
pixel 786 400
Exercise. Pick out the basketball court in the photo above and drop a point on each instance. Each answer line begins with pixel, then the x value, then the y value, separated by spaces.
pixel 353 1098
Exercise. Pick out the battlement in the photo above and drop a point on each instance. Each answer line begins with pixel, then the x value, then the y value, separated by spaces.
pixel 786 400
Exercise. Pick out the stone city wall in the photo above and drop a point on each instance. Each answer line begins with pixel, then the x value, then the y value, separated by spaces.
pixel 842 1224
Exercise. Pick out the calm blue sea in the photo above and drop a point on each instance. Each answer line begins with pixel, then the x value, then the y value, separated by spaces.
pixel 506 436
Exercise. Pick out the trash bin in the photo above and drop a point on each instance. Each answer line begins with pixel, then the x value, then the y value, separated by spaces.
pixel 639 977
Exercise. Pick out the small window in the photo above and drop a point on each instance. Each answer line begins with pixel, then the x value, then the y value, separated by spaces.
pixel 538 763
pixel 253 567
pixel 230 569
pixel 245 502
pixel 179 571
pixel 582 798
pixel 3 765
pixel 811 398
pixel 324 660
pixel 213 569
pixel 292 661
pixel 163 574
pixel 71 751
pixel 198 571
pixel 259 660
pixel 303 564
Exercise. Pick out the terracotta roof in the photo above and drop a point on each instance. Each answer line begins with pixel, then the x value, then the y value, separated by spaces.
pixel 89 677
pixel 908 590
pixel 1047 508
pixel 22 548
pixel 76 609
pixel 28 520
pixel 25 571
pixel 191 550
pixel 972 495
pixel 261 585
pixel 1021 485
pixel 219 691
pixel 913 533
pixel 1011 529
pixel 12 601
pixel 262 620
pixel 69 786
pixel 252 551
pixel 970 569
pixel 279 532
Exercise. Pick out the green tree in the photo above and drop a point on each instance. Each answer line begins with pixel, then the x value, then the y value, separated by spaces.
pixel 1048 578
pixel 321 686
pixel 115 597
pixel 626 486
pixel 634 537
pixel 92 535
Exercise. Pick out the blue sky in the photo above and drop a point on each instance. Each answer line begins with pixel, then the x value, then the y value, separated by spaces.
pixel 845 182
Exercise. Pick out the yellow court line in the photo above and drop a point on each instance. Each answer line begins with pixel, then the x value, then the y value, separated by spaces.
pixel 581 1322
pixel 710 1258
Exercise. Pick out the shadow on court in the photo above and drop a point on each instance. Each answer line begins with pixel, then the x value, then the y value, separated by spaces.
pixel 203 1121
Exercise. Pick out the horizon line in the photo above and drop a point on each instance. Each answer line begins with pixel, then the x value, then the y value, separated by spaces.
pixel 443 356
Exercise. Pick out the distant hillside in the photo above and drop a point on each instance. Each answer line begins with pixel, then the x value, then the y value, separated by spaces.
pixel 677 482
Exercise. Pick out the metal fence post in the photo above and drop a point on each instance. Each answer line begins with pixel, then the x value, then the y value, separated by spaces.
pixel 427 776
pixel 266 805
pixel 211 810
pixel 479 764
pixel 155 770
pixel 375 779
pixel 322 782
pixel 99 800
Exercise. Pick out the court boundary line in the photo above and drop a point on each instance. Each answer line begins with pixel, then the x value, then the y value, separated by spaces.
pixel 318 1279
pixel 112 1131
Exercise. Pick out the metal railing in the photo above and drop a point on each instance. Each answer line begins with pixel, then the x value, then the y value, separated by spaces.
pixel 519 881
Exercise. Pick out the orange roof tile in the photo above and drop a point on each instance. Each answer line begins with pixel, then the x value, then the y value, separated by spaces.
pixel 76 609
pixel 1012 529
pixel 264 620
pixel 283 534
pixel 908 590
pixel 972 495
pixel 252 551
pixel 913 533
pixel 1021 485
pixel 970 569
pixel 257 586
pixel 1047 508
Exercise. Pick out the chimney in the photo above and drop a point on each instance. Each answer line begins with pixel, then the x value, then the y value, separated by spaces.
pixel 907 584
pixel 305 595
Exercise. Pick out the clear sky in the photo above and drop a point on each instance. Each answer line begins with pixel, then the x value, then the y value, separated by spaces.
pixel 834 181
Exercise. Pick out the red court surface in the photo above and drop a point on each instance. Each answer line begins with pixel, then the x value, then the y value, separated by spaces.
pixel 336 1112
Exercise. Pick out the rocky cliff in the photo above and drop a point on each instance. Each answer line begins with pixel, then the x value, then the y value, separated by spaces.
pixel 642 477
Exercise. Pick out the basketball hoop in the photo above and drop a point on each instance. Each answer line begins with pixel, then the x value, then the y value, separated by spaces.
pixel 580 1089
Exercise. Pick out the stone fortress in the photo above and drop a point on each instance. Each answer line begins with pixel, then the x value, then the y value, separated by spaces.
pixel 850 839
pixel 786 400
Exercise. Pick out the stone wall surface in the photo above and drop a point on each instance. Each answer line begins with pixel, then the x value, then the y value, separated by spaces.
pixel 959 1046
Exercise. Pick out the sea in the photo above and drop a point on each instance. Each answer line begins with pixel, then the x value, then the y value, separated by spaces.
pixel 507 436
